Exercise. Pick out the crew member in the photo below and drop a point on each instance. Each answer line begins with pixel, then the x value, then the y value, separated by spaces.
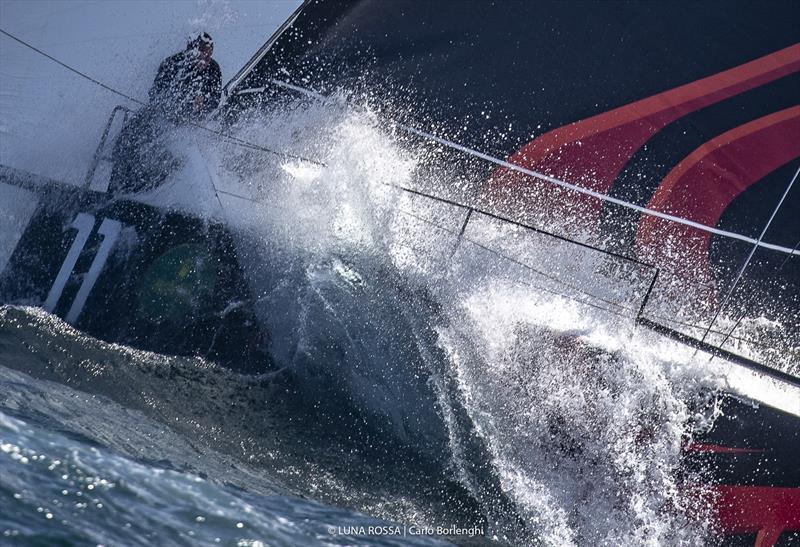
pixel 188 84
pixel 187 87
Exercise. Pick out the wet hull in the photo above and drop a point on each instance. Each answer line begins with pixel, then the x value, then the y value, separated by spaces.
pixel 129 273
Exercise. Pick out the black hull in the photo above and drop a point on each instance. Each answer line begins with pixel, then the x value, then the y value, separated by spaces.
pixel 164 281
pixel 748 473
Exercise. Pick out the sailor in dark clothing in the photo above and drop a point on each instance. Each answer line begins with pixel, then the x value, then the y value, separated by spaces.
pixel 187 87
pixel 188 84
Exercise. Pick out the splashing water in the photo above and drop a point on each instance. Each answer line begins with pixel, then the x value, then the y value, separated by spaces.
pixel 417 379
pixel 573 406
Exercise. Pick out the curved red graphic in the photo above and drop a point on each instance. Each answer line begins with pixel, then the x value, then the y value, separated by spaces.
pixel 762 510
pixel 592 152
pixel 701 186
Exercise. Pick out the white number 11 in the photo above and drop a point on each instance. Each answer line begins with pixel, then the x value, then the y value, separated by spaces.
pixel 84 223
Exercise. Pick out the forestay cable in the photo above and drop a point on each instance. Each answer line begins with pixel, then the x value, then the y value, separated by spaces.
pixel 749 258
pixel 230 138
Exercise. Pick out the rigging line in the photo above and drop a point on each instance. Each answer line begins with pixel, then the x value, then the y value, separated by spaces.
pixel 519 263
pixel 551 291
pixel 698 326
pixel 741 315
pixel 216 194
pixel 501 255
pixel 531 268
pixel 510 221
pixel 76 71
pixel 246 198
pixel 231 138
pixel 749 258
pixel 785 260
pixel 139 34
pixel 621 306
pixel 577 300
pixel 519 224
pixel 528 283
pixel 552 278
pixel 542 176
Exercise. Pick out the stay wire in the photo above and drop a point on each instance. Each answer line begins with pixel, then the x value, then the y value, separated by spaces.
pixel 573 298
pixel 785 260
pixel 230 138
pixel 740 274
pixel 729 334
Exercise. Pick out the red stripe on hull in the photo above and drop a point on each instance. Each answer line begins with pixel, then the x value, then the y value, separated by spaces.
pixel 761 510
pixel 592 152
pixel 701 186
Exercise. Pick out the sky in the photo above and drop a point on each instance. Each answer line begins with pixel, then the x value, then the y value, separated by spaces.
pixel 51 119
